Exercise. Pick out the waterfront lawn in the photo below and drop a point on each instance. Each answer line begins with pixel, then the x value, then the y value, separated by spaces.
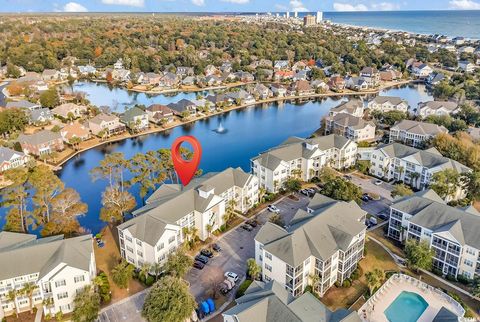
pixel 375 257
pixel 106 258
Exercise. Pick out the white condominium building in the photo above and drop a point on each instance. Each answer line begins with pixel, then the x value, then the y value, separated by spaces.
pixel 303 158
pixel 388 103
pixel 441 108
pixel 57 267
pixel 327 240
pixel 414 133
pixel 157 228
pixel 453 233
pixel 415 167
pixel 353 107
pixel 352 127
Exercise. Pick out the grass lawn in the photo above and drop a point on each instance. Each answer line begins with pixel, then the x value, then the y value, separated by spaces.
pixel 376 257
pixel 106 258
pixel 378 235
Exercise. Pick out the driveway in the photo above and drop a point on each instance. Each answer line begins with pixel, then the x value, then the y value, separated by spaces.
pixel 129 309
pixel 368 185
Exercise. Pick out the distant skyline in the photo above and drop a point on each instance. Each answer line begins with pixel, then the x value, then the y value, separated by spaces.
pixel 231 5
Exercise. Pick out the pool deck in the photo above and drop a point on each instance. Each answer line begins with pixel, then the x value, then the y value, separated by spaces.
pixel 373 310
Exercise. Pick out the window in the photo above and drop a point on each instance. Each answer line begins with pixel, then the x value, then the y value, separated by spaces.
pixel 268 267
pixel 470 251
pixel 468 262
pixel 60 283
pixel 128 238
pixel 65 308
pixel 171 239
pixel 139 253
pixel 79 278
pixel 62 295
pixel 160 247
pixel 130 249
pixel 139 242
pixel 268 255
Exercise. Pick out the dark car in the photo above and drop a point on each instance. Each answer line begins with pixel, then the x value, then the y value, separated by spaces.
pixel 216 247
pixel 198 265
pixel 247 227
pixel 383 216
pixel 202 259
pixel 252 222
pixel 365 198
pixel 206 253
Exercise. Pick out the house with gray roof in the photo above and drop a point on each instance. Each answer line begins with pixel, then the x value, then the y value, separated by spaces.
pixel 425 109
pixel 10 159
pixel 58 267
pixel 415 133
pixel 183 105
pixel 40 143
pixel 40 116
pixel 326 240
pixel 303 158
pixel 352 106
pixel 157 228
pixel 388 103
pixel 268 302
pixel 23 105
pixel 352 127
pixel 398 162
pixel 451 232
pixel 135 119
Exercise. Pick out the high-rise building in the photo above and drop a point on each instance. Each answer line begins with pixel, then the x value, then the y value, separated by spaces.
pixel 296 14
pixel 309 21
pixel 319 16
pixel 288 14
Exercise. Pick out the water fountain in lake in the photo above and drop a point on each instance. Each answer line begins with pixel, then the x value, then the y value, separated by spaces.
pixel 220 129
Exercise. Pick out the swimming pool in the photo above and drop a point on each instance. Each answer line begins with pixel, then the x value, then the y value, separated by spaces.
pixel 407 307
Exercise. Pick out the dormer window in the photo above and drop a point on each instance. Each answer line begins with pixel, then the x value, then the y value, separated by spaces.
pixel 206 191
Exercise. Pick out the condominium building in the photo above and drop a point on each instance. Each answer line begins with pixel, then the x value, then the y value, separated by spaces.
pixel 158 228
pixel 388 103
pixel 414 133
pixel 441 108
pixel 57 267
pixel 266 302
pixel 352 127
pixel 451 232
pixel 415 167
pixel 303 158
pixel 327 240
pixel 353 107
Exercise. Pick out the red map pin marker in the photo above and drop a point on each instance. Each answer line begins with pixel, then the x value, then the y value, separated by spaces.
pixel 186 168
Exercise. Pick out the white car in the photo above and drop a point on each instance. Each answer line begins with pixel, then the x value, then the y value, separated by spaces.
pixel 231 276
pixel 378 182
pixel 272 208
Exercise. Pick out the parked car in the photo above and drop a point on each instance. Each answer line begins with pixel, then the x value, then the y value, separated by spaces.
pixel 202 259
pixel 378 182
pixel 216 247
pixel 311 191
pixel 247 227
pixel 304 192
pixel 206 253
pixel 273 208
pixel 252 222
pixel 373 221
pixel 383 216
pixel 365 198
pixel 347 177
pixel 231 276
pixel 198 265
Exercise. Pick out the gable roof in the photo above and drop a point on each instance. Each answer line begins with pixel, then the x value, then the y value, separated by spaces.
pixel 37 138
pixel 422 128
pixel 7 154
pixel 394 100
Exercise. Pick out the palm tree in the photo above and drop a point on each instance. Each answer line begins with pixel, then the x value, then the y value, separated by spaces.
pixel 401 170
pixel 261 194
pixel 314 280
pixel 414 177
pixel 209 229
pixel 48 303
pixel 156 269
pixel 28 289
pixel 374 279
pixel 253 269
pixel 145 269
pixel 11 296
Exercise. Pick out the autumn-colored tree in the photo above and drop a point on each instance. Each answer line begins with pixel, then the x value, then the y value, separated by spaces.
pixel 98 52
pixel 116 204
pixel 109 77
pixel 15 89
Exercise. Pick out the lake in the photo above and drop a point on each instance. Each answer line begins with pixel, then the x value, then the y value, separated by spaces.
pixel 250 131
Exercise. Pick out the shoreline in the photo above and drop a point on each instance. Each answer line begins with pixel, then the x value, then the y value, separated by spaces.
pixel 58 166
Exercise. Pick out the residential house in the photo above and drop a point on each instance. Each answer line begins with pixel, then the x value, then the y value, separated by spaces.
pixel 353 107
pixel 241 97
pixel 458 41
pixel 50 75
pixel 270 301
pixel 107 124
pixel 466 50
pixel 185 71
pixel 265 63
pixel 422 71
pixel 26 105
pixel 336 83
pixel 352 127
pixel 425 109
pixel 264 74
pixel 169 80
pixel 466 66
pixel 390 75
pixel 158 228
pixel 135 119
pixel 40 143
pixel 151 79
pixel 319 85
pixel 87 70
pixel 388 103
pixel 301 88
pixel 219 100
pixel 10 159
pixel 261 92
pixel 300 75
pixel 371 76
pixel 357 84
pixel 281 65
pixel 122 75
pixel 212 80
pixel 203 105
pixel 59 268
pixel 245 77
pixel 189 81
pixel 283 75
pixel 69 111
pixel 158 113
pixel 278 90
pixel 451 232
pixel 327 240
pixel 415 133
pixel 74 130
pixel 226 67
pixel 183 105
pixel 434 79
pixel 118 64
pixel 211 70
pixel 40 116
pixel 303 158
pixel 398 162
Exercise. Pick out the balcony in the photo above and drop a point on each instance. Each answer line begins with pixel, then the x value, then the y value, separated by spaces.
pixel 438 245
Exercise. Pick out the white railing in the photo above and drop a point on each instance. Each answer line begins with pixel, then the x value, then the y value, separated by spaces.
pixel 401 278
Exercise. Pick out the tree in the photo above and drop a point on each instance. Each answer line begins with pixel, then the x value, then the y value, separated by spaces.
pixel 50 98
pixel 276 219
pixel 74 142
pixel 209 228
pixel 11 296
pixel 15 196
pixel 445 183
pixel 419 254
pixel 13 71
pixel 253 269
pixel 102 286
pixel 292 184
pixel 115 204
pixel 230 211
pixel 374 279
pixel 178 263
pixel 28 289
pixel 12 120
pixel 145 270
pixel 122 273
pixel 86 305
pixel 169 300
pixel 401 190
pixel 340 189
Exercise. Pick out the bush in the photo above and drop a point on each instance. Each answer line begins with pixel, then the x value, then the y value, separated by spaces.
pixel 150 280
pixel 346 283
pixel 356 274
pixel 451 278
pixel 437 272
pixel 463 279
pixel 242 288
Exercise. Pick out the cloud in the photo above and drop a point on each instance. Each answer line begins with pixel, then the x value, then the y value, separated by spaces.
pixel 297 5
pixel 132 3
pixel 349 7
pixel 74 7
pixel 385 6
pixel 198 2
pixel 281 7
pixel 237 1
pixel 464 5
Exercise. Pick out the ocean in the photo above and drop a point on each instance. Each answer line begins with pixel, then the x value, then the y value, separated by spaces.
pixel 449 23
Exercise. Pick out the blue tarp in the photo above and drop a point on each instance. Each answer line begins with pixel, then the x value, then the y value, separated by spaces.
pixel 211 305
pixel 205 307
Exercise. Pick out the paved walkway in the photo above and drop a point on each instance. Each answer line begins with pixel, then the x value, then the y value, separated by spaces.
pixel 38 316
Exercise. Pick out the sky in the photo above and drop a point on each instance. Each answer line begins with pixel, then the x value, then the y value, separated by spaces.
pixel 231 5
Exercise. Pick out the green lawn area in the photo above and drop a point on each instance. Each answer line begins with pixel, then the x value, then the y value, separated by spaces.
pixel 376 257
pixel 378 235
